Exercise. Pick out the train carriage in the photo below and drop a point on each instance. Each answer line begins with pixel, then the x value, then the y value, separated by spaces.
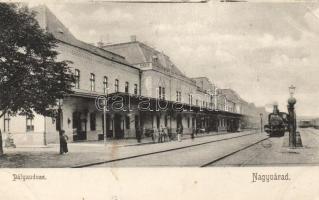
pixel 306 123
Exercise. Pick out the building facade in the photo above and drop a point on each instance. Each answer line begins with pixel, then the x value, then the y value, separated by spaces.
pixel 153 93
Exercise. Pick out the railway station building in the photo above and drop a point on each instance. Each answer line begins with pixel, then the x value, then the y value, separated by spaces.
pixel 138 75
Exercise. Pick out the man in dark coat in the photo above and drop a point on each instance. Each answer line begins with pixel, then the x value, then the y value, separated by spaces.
pixel 138 134
pixel 193 134
pixel 63 142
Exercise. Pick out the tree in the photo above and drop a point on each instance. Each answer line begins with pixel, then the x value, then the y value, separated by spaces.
pixel 31 78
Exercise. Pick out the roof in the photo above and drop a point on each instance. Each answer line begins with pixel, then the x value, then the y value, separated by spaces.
pixel 230 94
pixel 137 52
pixel 201 78
pixel 48 21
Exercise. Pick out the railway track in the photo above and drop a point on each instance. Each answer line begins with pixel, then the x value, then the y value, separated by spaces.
pixel 175 149
pixel 232 153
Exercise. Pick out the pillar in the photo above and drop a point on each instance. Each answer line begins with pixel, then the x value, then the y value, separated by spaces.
pixel 113 125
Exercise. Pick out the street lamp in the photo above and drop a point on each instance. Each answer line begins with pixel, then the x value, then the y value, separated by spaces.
pixel 292 118
pixel 104 119
pixel 261 122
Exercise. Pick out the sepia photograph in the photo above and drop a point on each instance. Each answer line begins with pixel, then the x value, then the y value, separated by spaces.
pixel 159 85
pixel 133 100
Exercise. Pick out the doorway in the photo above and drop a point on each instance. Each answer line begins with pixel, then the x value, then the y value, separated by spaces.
pixel 119 132
pixel 80 126
pixel 109 132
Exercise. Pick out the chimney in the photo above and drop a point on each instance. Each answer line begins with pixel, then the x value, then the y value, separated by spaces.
pixel 133 38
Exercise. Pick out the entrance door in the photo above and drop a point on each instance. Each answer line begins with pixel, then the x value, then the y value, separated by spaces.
pixel 136 121
pixel 79 126
pixel 109 133
pixel 158 121
pixel 179 121
pixel 119 133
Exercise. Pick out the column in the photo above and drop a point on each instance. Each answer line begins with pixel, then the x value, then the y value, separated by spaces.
pixel 113 125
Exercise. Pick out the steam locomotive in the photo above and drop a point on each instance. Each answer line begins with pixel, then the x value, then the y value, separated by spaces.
pixel 277 123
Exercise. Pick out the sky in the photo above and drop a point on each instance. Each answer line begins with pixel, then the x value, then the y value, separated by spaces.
pixel 257 49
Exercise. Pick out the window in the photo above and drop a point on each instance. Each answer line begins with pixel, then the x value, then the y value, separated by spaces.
pixel 92 121
pixel 105 84
pixel 116 85
pixel 127 87
pixel 135 89
pixel 6 127
pixel 92 81
pixel 155 59
pixel 29 124
pixel 159 92
pixel 188 122
pixel 127 122
pixel 178 96
pixel 196 102
pixel 77 78
pixel 190 99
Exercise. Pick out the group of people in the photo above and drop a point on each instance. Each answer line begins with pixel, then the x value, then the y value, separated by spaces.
pixel 161 135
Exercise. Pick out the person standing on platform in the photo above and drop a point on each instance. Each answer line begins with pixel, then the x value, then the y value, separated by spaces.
pixel 160 135
pixel 154 135
pixel 179 134
pixel 167 135
pixel 163 134
pixel 193 134
pixel 138 134
pixel 181 130
pixel 63 142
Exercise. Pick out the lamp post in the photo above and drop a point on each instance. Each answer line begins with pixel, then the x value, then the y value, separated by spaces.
pixel 292 117
pixel 104 119
pixel 261 122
